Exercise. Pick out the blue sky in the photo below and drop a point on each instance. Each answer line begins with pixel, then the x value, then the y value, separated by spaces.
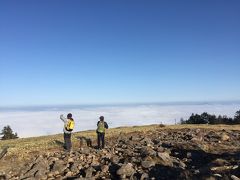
pixel 87 52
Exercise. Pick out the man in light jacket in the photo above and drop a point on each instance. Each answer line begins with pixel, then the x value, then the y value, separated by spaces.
pixel 67 131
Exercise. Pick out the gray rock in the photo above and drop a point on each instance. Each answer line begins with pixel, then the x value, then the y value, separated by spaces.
pixel 233 177
pixel 41 174
pixel 115 159
pixel 225 137
pixel 136 138
pixel 165 159
pixel 147 142
pixel 59 166
pixel 85 151
pixel 84 142
pixel 182 165
pixel 74 168
pixel 144 176
pixel 135 160
pixel 39 169
pixel 160 149
pixel 217 175
pixel 89 172
pixel 189 154
pixel 148 163
pixel 147 151
pixel 219 162
pixel 126 169
pixel 104 168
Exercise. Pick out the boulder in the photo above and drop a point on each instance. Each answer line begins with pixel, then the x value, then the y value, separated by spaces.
pixel 126 169
pixel 219 162
pixel 85 142
pixel 74 168
pixel 147 164
pixel 104 168
pixel 135 138
pixel 147 151
pixel 233 177
pixel 165 159
pixel 59 166
pixel 85 151
pixel 225 137
pixel 89 172
pixel 144 176
pixel 147 142
pixel 39 169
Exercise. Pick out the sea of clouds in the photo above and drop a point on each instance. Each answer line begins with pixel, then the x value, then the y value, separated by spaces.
pixel 45 120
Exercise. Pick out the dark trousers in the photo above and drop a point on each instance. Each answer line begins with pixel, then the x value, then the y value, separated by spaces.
pixel 67 141
pixel 100 139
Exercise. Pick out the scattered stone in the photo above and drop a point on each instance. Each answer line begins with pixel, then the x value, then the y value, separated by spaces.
pixel 69 174
pixel 235 177
pixel 126 169
pixel 74 168
pixel 3 151
pixel 38 169
pixel 89 172
pixel 225 137
pixel 182 165
pixel 165 159
pixel 169 154
pixel 147 142
pixel 70 160
pixel 59 166
pixel 189 154
pixel 85 151
pixel 147 151
pixel 219 162
pixel 144 176
pixel 84 142
pixel 148 163
pixel 218 175
pixel 104 168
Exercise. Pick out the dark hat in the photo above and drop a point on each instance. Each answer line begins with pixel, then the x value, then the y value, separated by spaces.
pixel 101 118
pixel 69 115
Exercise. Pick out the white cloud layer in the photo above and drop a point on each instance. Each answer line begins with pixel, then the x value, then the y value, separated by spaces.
pixel 44 122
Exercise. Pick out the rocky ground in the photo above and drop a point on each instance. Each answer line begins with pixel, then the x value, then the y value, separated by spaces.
pixel 186 153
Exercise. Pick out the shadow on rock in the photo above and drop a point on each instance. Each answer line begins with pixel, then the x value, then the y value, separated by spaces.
pixel 163 172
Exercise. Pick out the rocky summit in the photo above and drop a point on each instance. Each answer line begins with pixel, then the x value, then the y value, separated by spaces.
pixel 186 153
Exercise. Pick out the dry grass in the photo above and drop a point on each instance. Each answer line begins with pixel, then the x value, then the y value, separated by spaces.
pixel 43 143
pixel 25 147
pixel 206 126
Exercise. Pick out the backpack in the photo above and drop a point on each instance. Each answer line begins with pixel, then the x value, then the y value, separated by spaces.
pixel 101 127
pixel 70 125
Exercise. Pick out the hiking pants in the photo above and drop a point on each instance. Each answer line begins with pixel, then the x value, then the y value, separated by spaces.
pixel 101 139
pixel 67 141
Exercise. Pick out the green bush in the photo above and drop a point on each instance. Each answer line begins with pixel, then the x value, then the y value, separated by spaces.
pixel 8 133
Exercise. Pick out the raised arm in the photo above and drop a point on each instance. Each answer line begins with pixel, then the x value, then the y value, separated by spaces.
pixel 63 118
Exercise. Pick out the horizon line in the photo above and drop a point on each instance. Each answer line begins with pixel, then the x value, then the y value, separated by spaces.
pixel 122 104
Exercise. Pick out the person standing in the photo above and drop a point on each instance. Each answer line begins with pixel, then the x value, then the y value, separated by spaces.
pixel 101 126
pixel 67 131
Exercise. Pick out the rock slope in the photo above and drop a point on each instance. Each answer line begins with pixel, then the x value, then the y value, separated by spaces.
pixel 196 153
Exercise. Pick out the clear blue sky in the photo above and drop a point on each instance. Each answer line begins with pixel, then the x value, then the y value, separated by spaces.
pixel 86 51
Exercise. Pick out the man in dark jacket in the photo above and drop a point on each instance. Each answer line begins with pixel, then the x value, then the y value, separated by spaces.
pixel 101 126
